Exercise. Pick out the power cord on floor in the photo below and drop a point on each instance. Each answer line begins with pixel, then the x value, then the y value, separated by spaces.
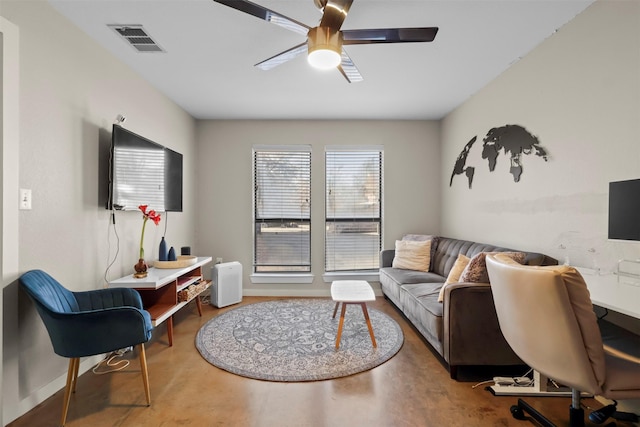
pixel 522 381
pixel 482 383
pixel 111 363
pixel 204 299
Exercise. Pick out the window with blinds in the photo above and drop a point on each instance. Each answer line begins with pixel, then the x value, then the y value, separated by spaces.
pixel 282 209
pixel 353 218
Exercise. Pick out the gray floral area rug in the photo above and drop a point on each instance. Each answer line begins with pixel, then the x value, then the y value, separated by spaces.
pixel 294 340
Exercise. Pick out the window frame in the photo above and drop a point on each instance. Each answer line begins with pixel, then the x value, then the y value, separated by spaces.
pixel 278 276
pixel 362 274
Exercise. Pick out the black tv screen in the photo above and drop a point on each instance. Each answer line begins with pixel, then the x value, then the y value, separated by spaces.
pixel 624 210
pixel 143 172
pixel 173 181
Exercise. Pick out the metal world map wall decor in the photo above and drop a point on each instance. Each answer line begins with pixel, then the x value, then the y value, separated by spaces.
pixel 514 140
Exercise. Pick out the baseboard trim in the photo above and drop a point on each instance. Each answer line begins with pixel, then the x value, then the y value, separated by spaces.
pixel 325 293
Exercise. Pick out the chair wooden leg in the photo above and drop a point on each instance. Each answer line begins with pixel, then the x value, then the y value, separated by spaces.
pixel 145 373
pixel 335 309
pixel 75 376
pixel 72 374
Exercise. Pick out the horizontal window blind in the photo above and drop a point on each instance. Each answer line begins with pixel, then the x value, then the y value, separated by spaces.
pixel 282 210
pixel 353 205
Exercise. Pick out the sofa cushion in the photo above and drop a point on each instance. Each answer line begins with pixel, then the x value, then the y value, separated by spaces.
pixel 402 277
pixel 421 306
pixel 447 253
pixel 476 270
pixel 534 258
pixel 422 289
pixel 412 255
pixel 424 292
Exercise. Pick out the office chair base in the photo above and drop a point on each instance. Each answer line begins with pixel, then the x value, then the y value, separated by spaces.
pixel 519 411
pixel 625 416
pixel 576 417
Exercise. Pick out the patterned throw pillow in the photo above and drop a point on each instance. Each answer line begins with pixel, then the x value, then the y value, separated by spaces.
pixel 412 255
pixel 476 270
pixel 423 237
pixel 454 275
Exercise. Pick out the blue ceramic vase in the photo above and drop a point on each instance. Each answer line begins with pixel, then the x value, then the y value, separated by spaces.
pixel 162 253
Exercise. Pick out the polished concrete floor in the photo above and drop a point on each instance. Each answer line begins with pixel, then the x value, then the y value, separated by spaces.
pixel 411 389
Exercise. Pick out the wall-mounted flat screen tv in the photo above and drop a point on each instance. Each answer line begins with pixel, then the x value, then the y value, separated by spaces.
pixel 624 210
pixel 143 172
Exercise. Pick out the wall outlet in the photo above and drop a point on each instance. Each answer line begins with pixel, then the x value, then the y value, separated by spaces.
pixel 218 260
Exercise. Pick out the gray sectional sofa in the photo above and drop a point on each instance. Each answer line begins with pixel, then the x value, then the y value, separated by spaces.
pixel 463 328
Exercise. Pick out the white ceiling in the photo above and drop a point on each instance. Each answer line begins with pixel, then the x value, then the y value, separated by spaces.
pixel 211 49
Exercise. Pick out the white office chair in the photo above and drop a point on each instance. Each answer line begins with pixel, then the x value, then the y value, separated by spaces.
pixel 546 316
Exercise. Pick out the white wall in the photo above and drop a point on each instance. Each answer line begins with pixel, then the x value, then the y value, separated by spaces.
pixel 70 91
pixel 579 93
pixel 9 46
pixel 411 184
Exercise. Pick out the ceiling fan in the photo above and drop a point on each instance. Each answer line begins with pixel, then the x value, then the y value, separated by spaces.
pixel 325 42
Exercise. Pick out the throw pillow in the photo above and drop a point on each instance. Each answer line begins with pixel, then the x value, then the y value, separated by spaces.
pixel 476 270
pixel 422 237
pixel 412 255
pixel 454 274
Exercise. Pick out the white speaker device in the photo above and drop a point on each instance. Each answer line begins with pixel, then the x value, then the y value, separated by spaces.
pixel 226 284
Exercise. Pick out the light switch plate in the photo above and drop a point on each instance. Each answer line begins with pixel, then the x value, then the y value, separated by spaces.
pixel 25 199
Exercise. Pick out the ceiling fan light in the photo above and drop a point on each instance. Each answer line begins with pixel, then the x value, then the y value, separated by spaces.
pixel 324 59
pixel 325 48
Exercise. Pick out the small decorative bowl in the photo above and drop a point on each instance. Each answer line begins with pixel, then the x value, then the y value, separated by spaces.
pixel 182 262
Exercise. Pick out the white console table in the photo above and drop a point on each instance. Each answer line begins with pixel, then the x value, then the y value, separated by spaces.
pixel 159 290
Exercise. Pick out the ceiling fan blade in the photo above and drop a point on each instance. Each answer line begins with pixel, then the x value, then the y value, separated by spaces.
pixel 283 57
pixel 389 35
pixel 267 15
pixel 349 70
pixel 335 11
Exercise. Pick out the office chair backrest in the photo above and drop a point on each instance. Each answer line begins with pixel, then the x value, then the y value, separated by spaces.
pixel 546 316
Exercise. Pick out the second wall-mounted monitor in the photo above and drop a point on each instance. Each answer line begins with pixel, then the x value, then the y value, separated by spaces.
pixel 624 210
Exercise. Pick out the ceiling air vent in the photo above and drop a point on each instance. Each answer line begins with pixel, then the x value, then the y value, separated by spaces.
pixel 137 37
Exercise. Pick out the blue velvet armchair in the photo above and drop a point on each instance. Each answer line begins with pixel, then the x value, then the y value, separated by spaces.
pixel 88 323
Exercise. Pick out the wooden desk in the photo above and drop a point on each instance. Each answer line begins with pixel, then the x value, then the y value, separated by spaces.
pixel 159 290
